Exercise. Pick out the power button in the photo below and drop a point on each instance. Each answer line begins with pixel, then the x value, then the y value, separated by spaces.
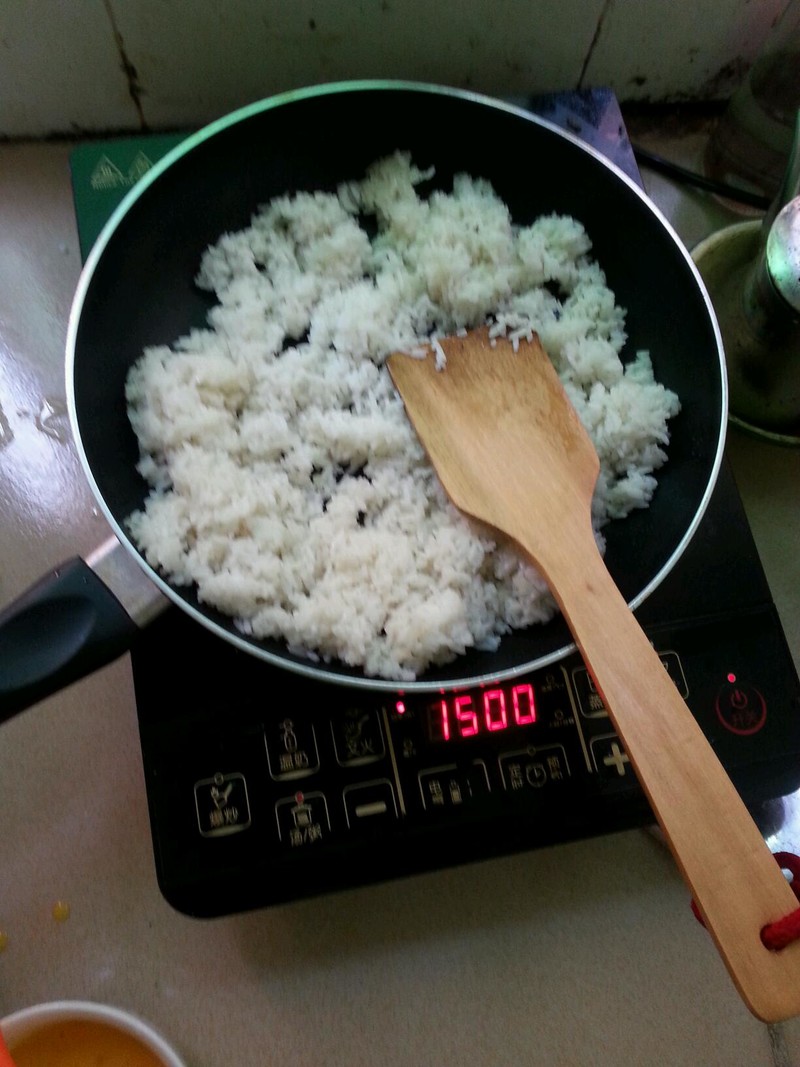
pixel 741 708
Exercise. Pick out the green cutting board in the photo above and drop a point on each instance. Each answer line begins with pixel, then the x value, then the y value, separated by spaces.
pixel 104 172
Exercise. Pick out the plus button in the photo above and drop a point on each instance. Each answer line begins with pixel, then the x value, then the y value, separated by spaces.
pixel 612 763
pixel 616 758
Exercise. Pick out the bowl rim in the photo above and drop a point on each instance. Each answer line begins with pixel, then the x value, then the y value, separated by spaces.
pixel 19 1024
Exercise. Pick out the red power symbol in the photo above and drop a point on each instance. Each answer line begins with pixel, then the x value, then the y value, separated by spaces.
pixel 741 708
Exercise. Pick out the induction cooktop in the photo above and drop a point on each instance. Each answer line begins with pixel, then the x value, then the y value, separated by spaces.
pixel 264 787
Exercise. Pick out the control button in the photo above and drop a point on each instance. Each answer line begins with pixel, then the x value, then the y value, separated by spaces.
pixel 303 819
pixel 222 804
pixel 291 749
pixel 369 803
pixel 592 704
pixel 357 737
pixel 446 788
pixel 611 760
pixel 589 700
pixel 674 668
pixel 741 708
pixel 534 768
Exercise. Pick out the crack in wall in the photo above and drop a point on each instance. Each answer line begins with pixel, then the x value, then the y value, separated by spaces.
pixel 608 4
pixel 135 90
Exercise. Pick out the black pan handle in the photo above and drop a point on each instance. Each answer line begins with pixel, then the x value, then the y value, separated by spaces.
pixel 61 629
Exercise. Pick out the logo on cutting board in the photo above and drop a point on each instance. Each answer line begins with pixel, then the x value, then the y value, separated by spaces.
pixel 107 175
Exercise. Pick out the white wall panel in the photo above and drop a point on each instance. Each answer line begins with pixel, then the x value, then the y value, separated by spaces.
pixel 120 64
pixel 198 59
pixel 683 49
pixel 60 69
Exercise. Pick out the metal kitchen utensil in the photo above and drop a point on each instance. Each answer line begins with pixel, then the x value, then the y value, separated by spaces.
pixel 752 271
pixel 511 451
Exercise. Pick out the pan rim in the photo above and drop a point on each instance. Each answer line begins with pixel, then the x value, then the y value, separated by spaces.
pixel 311 670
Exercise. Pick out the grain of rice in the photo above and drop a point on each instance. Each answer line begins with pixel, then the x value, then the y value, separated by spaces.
pixel 440 356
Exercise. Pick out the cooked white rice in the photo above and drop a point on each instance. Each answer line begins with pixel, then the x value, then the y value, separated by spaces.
pixel 287 483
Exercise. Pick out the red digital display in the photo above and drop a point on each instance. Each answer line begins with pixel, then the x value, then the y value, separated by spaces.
pixel 484 711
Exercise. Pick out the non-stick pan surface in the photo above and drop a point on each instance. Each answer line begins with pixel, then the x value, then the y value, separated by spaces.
pixel 137 289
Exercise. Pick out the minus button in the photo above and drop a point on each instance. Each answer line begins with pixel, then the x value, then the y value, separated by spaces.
pixel 376 807
pixel 368 802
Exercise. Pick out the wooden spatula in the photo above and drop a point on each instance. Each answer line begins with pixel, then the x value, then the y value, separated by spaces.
pixel 511 451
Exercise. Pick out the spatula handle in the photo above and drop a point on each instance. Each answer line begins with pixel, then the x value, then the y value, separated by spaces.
pixel 738 886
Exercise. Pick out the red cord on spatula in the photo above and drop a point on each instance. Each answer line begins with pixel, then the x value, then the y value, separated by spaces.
pixel 5 1055
pixel 785 931
pixel 510 450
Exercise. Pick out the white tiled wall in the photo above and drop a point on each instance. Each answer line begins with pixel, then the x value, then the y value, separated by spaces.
pixel 68 65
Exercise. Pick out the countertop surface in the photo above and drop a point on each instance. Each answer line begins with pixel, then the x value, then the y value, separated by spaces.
pixel 580 954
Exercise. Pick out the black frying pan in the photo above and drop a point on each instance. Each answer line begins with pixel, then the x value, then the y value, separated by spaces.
pixel 137 289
